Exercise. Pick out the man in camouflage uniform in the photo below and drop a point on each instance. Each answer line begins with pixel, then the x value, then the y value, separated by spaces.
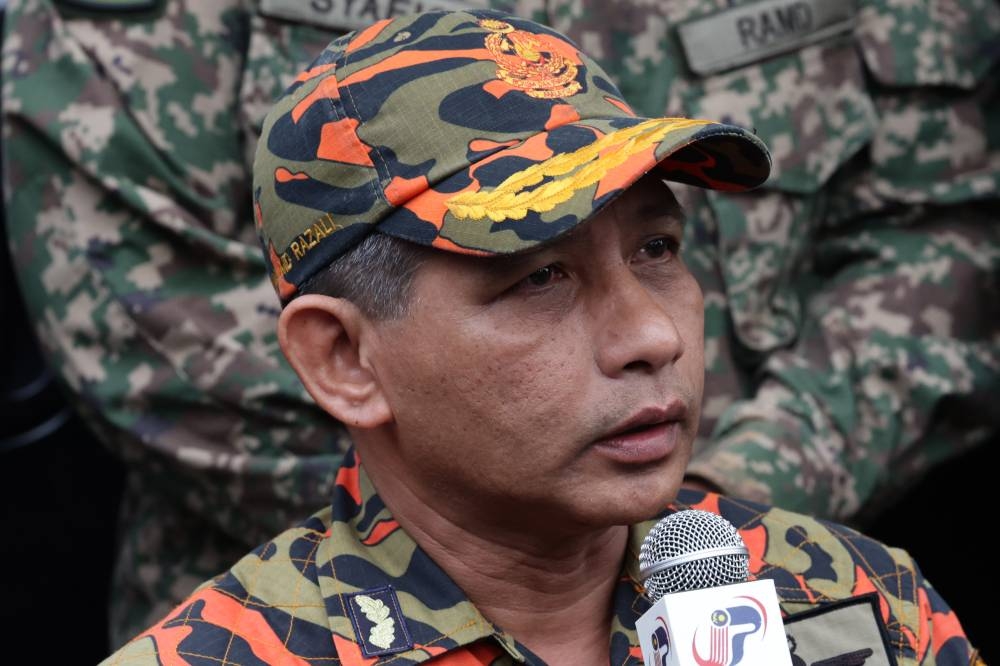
pixel 852 303
pixel 131 232
pixel 477 255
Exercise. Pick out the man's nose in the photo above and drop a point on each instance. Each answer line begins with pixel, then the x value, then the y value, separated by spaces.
pixel 636 330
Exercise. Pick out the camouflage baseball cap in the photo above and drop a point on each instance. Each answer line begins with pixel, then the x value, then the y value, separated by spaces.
pixel 468 131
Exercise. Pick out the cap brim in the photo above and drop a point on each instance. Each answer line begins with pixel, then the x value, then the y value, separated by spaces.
pixel 521 194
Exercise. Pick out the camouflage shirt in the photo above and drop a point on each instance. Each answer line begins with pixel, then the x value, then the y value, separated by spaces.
pixel 349 584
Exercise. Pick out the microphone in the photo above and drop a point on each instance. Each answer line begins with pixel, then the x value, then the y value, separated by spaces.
pixel 695 568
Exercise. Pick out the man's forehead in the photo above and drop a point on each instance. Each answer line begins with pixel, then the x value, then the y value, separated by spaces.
pixel 649 202
pixel 654 196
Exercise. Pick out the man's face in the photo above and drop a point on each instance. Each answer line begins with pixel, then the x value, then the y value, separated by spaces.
pixel 556 388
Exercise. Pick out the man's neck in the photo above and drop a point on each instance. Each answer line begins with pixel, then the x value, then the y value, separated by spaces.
pixel 552 593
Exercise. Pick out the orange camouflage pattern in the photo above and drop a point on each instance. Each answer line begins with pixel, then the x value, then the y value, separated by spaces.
pixel 289 602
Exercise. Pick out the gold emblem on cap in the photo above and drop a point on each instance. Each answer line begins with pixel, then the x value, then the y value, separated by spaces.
pixel 530 62
pixel 570 172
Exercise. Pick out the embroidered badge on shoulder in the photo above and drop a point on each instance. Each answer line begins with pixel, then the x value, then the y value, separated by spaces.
pixel 378 622
pixel 843 633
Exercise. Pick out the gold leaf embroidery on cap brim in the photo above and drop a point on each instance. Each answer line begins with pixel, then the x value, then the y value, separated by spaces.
pixel 526 62
pixel 511 200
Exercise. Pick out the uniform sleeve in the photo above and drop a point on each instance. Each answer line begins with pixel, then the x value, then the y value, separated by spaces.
pixel 945 638
pixel 127 140
pixel 130 226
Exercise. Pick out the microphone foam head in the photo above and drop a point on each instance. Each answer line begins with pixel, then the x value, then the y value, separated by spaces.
pixel 691 550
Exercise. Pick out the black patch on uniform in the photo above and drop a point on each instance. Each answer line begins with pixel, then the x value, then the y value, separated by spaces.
pixel 365 622
pixel 851 633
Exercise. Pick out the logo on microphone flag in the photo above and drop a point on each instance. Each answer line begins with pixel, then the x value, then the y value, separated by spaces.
pixel 731 625
pixel 727 631
pixel 660 640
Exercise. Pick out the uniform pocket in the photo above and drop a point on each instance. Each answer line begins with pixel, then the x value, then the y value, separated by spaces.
pixel 933 68
pixel 811 106
pixel 944 43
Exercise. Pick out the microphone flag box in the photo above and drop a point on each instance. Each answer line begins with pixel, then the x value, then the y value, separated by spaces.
pixel 731 625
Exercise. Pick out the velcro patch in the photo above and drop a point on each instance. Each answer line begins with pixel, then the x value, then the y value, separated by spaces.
pixel 347 15
pixel 758 30
pixel 844 633
pixel 379 625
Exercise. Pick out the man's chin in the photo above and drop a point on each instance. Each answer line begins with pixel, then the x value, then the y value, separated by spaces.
pixel 627 503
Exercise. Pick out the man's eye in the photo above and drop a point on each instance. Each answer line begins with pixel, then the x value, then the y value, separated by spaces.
pixel 658 247
pixel 543 276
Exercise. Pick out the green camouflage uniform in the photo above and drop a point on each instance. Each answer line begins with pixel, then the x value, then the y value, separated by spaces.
pixel 128 148
pixel 852 303
pixel 129 140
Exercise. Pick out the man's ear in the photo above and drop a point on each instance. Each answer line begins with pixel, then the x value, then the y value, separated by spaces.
pixel 325 340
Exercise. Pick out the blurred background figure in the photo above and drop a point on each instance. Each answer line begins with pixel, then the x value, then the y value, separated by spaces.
pixel 851 306
pixel 128 130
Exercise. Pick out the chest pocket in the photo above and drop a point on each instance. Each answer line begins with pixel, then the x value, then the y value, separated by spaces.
pixel 933 67
pixel 892 106
pixel 914 83
pixel 809 103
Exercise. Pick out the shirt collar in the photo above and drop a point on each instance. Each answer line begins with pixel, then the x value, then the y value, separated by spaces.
pixel 370 571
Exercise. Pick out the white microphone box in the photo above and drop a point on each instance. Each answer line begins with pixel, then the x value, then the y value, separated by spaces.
pixel 732 625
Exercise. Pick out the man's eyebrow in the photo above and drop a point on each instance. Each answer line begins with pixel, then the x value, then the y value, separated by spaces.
pixel 671 210
pixel 511 263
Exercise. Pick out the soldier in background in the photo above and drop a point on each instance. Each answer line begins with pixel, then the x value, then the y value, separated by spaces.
pixel 846 318
pixel 129 130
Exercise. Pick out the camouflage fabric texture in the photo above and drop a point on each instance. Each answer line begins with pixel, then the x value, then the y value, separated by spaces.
pixel 128 142
pixel 852 303
pixel 427 129
pixel 350 586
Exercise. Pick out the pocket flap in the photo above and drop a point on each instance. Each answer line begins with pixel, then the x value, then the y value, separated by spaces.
pixel 943 43
pixel 811 107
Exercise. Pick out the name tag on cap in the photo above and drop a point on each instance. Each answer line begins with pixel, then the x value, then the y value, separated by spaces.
pixel 752 32
pixel 347 15
pixel 845 633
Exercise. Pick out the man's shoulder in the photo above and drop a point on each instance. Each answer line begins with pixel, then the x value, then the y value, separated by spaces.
pixel 810 560
pixel 269 603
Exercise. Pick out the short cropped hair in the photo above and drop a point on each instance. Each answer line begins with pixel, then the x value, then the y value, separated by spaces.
pixel 376 276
